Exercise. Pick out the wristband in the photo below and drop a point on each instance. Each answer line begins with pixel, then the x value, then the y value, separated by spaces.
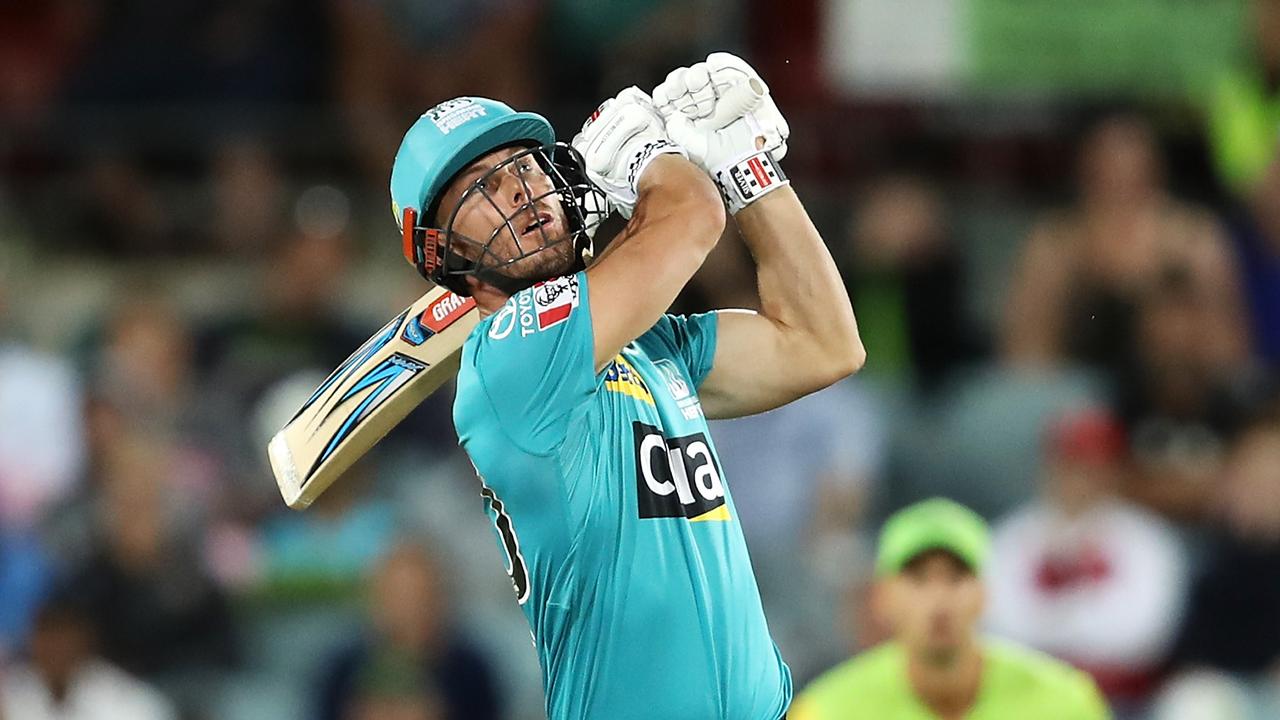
pixel 749 179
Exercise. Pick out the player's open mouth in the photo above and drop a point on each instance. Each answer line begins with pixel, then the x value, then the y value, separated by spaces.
pixel 544 219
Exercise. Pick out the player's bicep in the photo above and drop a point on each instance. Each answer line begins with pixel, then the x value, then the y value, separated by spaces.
pixel 754 367
pixel 635 282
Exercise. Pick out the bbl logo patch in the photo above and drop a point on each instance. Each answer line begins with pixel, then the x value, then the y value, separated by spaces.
pixel 678 386
pixel 620 377
pixel 677 477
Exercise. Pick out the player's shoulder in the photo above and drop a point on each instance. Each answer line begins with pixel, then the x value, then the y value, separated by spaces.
pixel 1022 669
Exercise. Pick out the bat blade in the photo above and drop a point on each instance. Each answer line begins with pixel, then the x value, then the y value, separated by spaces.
pixel 369 394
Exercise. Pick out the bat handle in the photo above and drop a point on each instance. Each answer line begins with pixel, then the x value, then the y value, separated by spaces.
pixel 740 99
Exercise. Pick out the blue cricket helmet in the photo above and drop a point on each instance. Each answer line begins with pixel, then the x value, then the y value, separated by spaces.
pixel 446 139
pixel 450 136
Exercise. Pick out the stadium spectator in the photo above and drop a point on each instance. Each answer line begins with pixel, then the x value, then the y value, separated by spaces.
pixel 906 277
pixel 25 577
pixel 1180 402
pixel 1084 575
pixel 65 678
pixel 40 45
pixel 412 660
pixel 1230 625
pixel 162 616
pixel 1244 133
pixel 930 595
pixel 392 54
pixel 294 322
pixel 291 322
pixel 598 46
pixel 1083 271
pixel 42 446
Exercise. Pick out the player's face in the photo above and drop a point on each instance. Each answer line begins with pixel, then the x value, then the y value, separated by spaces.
pixel 518 202
pixel 932 606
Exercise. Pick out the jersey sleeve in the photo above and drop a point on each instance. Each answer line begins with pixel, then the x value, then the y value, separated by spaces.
pixel 690 338
pixel 535 361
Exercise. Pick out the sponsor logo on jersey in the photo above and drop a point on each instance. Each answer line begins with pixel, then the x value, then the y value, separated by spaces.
pixel 445 311
pixel 554 300
pixel 544 305
pixel 518 312
pixel 620 377
pixel 677 477
pixel 680 389
pixel 450 114
pixel 503 322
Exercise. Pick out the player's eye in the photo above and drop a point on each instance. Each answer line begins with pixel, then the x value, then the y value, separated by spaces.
pixel 524 167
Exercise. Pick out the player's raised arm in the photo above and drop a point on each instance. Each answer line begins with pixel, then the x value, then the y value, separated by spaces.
pixel 805 337
pixel 676 218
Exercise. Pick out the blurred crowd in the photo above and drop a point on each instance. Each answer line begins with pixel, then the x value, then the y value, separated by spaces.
pixel 1073 327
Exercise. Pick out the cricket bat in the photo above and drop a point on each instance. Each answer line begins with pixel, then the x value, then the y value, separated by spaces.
pixel 370 393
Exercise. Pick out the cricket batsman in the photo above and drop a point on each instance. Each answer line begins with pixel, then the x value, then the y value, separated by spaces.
pixel 584 406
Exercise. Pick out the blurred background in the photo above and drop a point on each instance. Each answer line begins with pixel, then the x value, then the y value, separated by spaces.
pixel 1059 224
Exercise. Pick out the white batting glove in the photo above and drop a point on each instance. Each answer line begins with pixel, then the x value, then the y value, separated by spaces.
pixel 721 112
pixel 619 141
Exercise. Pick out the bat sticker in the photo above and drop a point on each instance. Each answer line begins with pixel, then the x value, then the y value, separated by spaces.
pixel 382 382
pixel 348 366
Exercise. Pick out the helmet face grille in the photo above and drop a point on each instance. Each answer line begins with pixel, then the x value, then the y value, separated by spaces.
pixel 545 177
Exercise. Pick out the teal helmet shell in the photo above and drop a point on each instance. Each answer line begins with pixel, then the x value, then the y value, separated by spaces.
pixel 446 139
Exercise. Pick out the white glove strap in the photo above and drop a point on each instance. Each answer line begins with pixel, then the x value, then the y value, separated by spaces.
pixel 750 179
pixel 646 154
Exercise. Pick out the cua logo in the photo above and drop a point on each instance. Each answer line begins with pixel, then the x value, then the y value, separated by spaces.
pixel 675 477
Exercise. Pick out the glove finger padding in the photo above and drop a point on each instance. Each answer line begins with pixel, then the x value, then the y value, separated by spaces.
pixel 692 138
pixel 619 141
pixel 736 101
pixel 721 111
pixel 689 91
pixel 618 128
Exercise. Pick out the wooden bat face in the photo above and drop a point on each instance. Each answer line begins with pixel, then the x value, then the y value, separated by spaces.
pixel 370 393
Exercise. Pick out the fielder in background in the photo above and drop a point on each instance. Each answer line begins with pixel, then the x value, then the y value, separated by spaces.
pixel 583 405
pixel 936 666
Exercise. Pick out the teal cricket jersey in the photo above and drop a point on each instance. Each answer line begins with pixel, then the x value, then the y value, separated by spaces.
pixel 618 528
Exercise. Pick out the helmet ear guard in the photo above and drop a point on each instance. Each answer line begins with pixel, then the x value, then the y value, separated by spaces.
pixel 425 248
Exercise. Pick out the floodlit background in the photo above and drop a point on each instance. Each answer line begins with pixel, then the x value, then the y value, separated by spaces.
pixel 1059 223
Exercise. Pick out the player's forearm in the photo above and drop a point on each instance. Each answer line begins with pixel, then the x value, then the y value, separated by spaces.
pixel 801 290
pixel 678 203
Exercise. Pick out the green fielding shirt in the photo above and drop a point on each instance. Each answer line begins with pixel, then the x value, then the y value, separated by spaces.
pixel 1016 683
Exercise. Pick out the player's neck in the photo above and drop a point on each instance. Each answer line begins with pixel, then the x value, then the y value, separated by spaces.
pixel 489 299
pixel 948 688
